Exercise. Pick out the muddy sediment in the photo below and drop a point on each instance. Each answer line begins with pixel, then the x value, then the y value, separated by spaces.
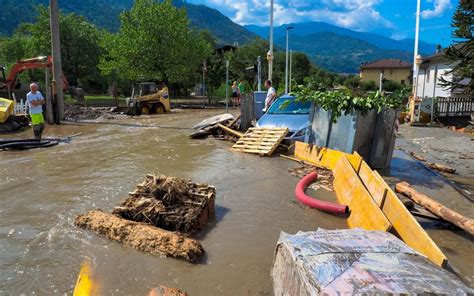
pixel 78 113
pixel 170 203
pixel 140 236
pixel 165 291
pixel 325 176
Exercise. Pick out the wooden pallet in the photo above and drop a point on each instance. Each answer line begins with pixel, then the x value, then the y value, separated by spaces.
pixel 261 141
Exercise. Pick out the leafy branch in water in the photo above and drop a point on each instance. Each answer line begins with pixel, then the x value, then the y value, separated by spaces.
pixel 345 101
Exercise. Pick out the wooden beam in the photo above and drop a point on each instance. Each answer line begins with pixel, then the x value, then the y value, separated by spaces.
pixel 436 208
pixel 230 131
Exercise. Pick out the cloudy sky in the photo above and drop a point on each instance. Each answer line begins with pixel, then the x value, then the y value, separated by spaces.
pixel 392 18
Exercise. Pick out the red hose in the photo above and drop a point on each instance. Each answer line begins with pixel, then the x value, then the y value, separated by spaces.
pixel 325 206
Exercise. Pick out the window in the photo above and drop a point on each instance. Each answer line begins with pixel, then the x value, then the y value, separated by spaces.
pixel 402 81
pixel 428 71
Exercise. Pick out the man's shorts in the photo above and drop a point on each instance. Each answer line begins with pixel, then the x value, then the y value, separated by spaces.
pixel 37 118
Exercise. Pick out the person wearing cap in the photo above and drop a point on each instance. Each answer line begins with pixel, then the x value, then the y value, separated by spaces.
pixel 35 105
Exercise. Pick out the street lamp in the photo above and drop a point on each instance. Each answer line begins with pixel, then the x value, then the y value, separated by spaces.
pixel 286 66
pixel 291 62
pixel 418 61
pixel 270 52
pixel 227 86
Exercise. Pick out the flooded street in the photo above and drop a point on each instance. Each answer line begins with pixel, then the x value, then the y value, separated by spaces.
pixel 42 191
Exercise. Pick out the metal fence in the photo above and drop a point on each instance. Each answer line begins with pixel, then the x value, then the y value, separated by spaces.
pixel 454 106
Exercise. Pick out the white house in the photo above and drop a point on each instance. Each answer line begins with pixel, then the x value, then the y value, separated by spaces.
pixel 432 68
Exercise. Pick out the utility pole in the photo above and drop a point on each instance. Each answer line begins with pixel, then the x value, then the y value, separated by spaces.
pixel 417 30
pixel 286 59
pixel 56 53
pixel 270 52
pixel 227 86
pixel 380 81
pixel 49 101
pixel 204 70
pixel 259 73
pixel 291 63
pixel 415 67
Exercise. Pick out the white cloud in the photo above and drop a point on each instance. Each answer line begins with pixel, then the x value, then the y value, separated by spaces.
pixel 359 15
pixel 440 6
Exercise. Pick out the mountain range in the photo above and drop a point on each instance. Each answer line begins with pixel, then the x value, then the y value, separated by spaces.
pixel 333 48
pixel 310 28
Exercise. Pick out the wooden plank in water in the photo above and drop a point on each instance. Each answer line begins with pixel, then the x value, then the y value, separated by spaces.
pixel 351 191
pixel 321 156
pixel 261 141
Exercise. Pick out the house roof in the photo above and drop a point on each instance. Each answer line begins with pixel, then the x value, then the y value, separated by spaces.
pixel 387 63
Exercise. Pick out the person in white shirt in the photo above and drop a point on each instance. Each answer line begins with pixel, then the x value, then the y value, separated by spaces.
pixel 271 94
pixel 35 103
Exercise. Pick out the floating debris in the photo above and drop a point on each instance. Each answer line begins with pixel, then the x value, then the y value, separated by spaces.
pixel 170 203
pixel 325 176
pixel 78 113
pixel 141 236
pixel 165 291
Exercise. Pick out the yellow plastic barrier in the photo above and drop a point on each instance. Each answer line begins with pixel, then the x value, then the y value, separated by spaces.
pixel 6 109
pixel 364 211
pixel 85 285
pixel 324 157
pixel 372 203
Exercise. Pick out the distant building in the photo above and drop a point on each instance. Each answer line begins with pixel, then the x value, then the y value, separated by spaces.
pixel 431 70
pixel 392 69
pixel 443 102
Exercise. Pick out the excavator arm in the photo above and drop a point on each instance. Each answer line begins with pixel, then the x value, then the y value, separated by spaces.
pixel 28 64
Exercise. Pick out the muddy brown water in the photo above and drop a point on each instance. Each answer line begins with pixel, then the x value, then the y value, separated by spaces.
pixel 43 190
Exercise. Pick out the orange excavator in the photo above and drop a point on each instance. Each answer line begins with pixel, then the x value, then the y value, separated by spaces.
pixel 11 85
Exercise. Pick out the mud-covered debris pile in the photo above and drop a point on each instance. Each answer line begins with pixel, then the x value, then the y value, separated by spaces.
pixel 325 176
pixel 170 203
pixel 77 113
pixel 213 126
pixel 165 291
pixel 141 236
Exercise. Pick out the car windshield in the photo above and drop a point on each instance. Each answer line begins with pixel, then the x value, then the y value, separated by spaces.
pixel 289 106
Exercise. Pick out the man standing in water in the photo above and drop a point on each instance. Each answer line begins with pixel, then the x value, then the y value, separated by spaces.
pixel 35 103
pixel 271 94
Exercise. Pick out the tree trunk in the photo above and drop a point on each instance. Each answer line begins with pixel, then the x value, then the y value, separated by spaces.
pixel 141 236
pixel 435 207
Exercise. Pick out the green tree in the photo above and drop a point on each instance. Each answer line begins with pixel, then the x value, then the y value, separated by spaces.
pixel 462 51
pixel 369 86
pixel 353 82
pixel 154 42
pixel 79 45
pixel 391 86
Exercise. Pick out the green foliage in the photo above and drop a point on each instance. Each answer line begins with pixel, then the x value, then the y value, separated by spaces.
pixel 391 86
pixel 345 102
pixel 462 51
pixel 369 86
pixel 154 42
pixel 79 46
pixel 353 82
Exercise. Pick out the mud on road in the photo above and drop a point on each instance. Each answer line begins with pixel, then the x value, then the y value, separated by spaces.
pixel 43 191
